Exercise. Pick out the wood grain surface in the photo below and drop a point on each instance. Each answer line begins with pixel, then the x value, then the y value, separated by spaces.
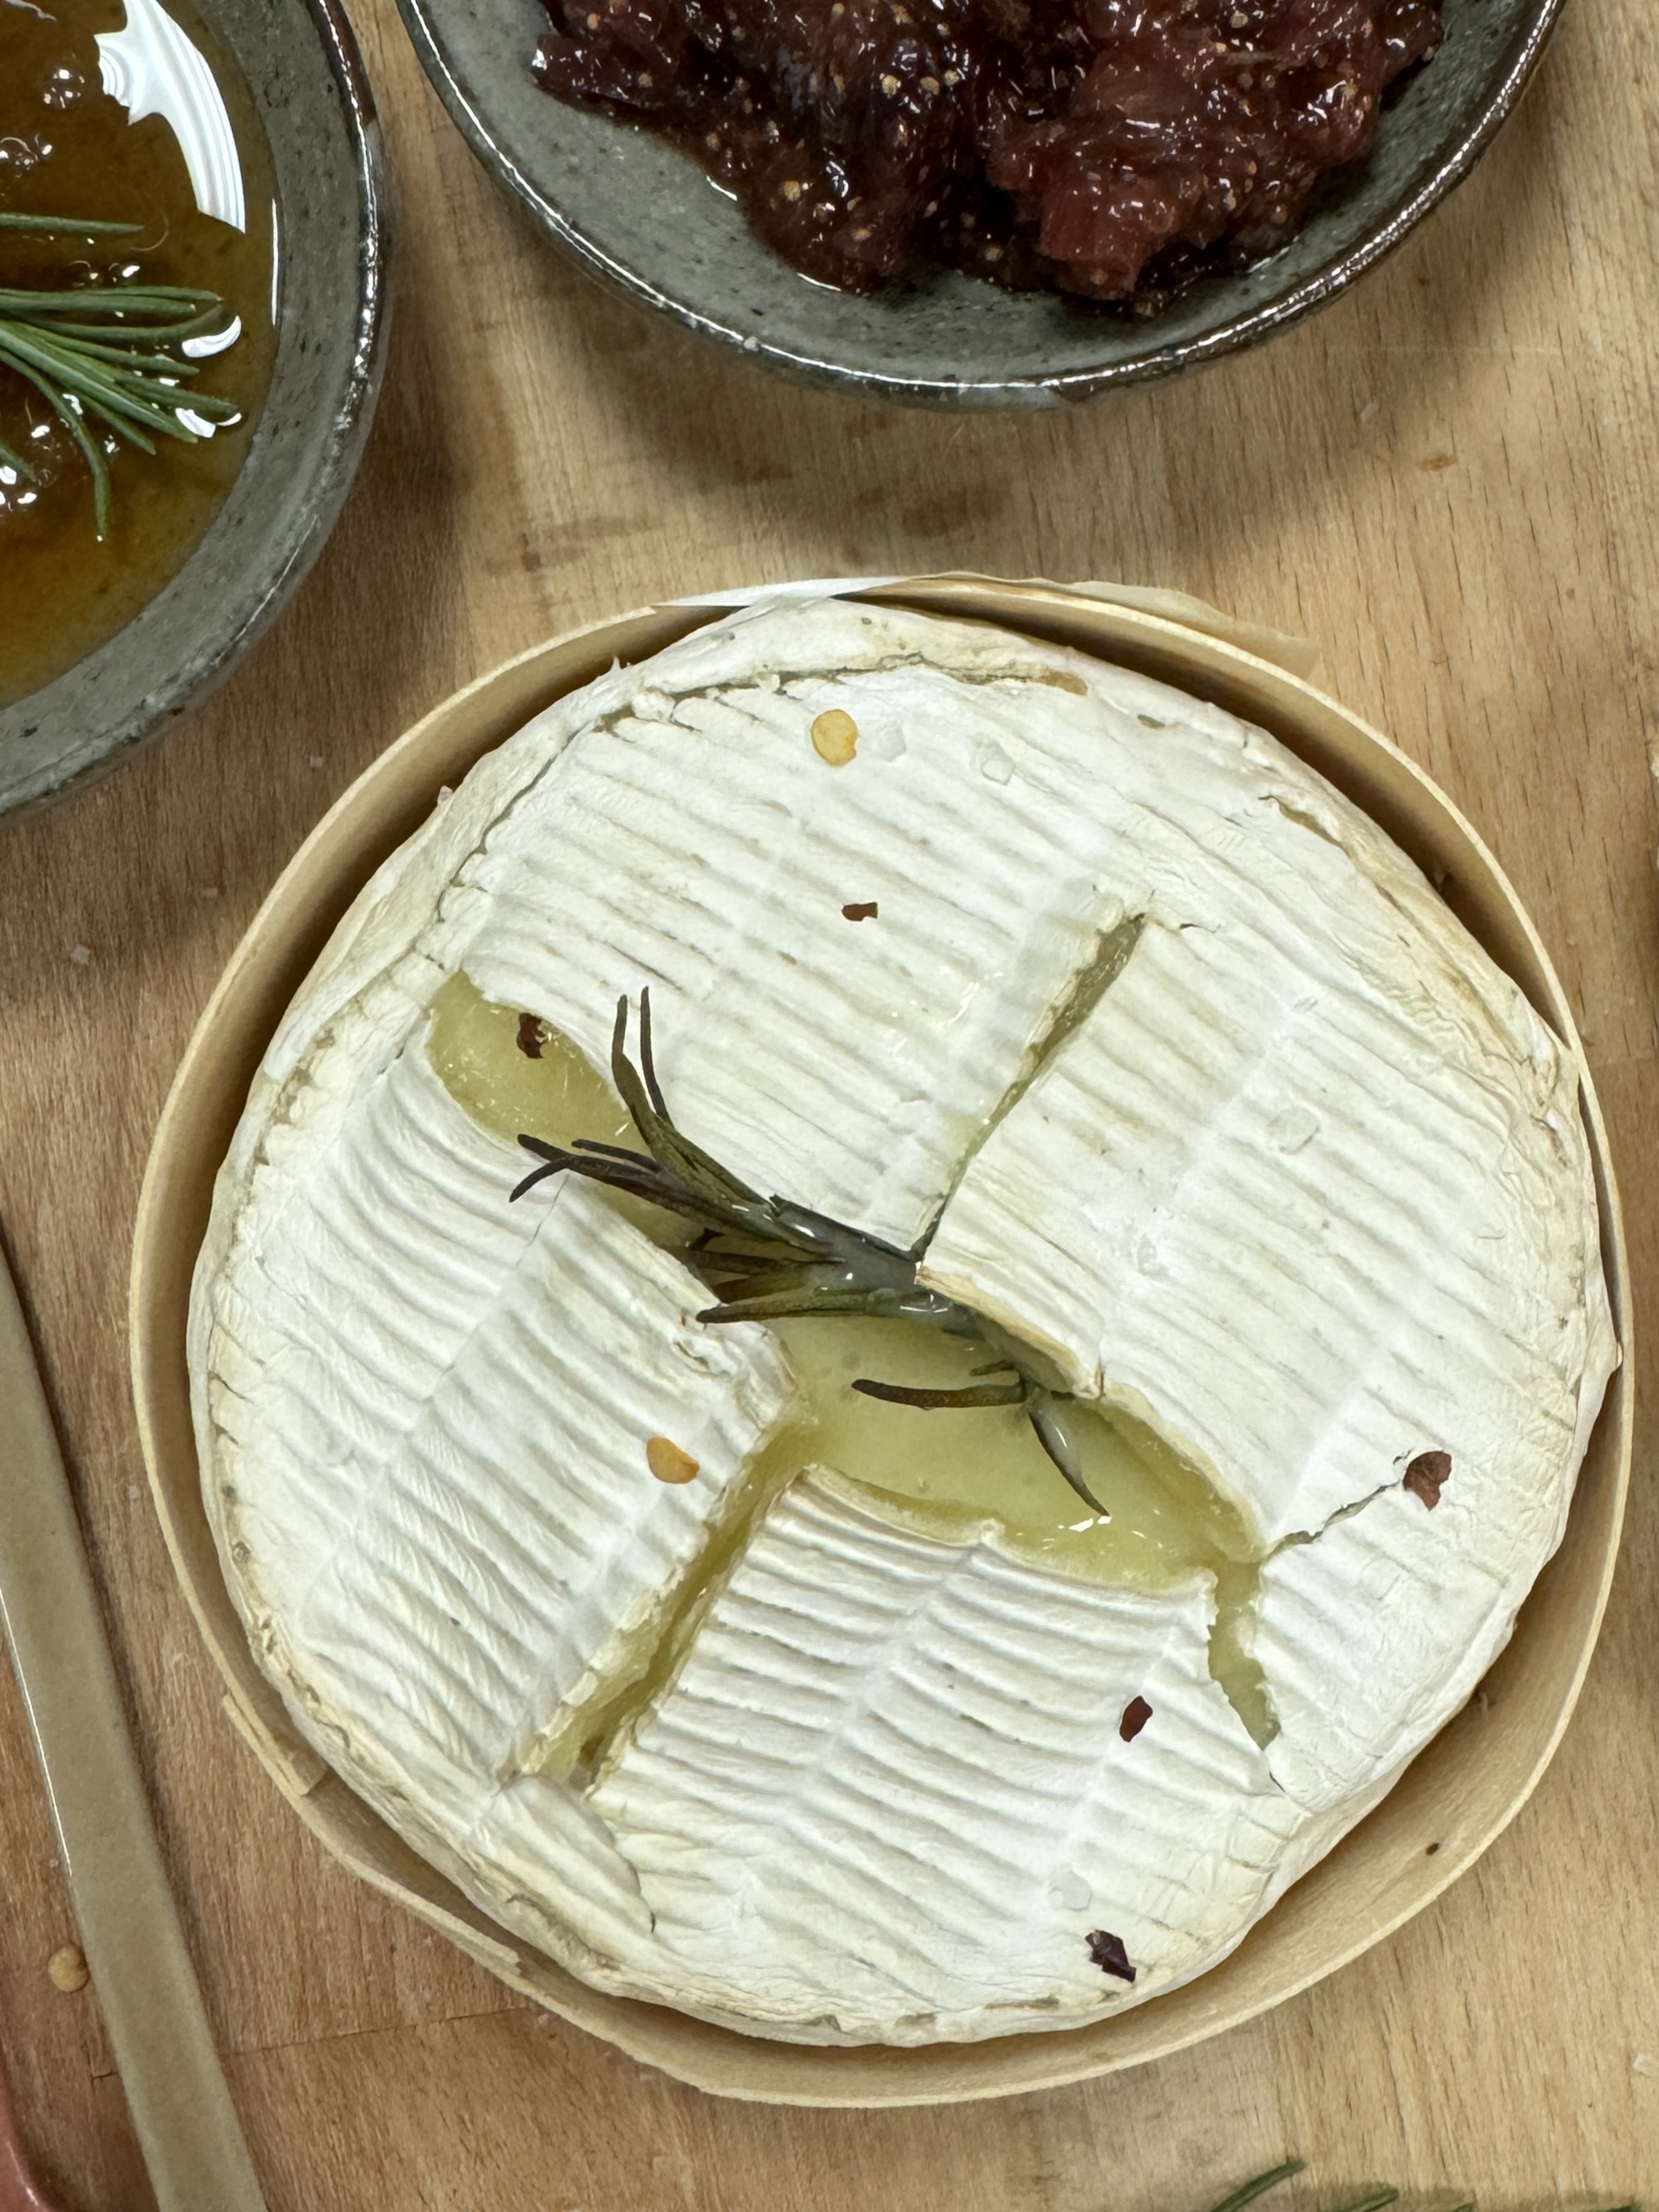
pixel 1451 481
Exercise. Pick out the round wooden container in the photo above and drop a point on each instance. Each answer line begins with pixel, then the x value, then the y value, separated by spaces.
pixel 1460 1792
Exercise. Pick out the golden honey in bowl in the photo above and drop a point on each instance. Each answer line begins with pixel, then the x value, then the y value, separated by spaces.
pixel 120 113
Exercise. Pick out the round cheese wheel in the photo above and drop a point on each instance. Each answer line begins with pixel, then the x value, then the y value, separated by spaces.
pixel 1106 1018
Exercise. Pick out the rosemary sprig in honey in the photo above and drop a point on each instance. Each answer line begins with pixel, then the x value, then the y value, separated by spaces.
pixel 108 360
pixel 769 1259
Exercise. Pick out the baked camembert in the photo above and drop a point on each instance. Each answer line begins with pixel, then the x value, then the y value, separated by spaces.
pixel 734 1687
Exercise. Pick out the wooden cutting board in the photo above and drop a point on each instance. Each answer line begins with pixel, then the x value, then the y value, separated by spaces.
pixel 1450 481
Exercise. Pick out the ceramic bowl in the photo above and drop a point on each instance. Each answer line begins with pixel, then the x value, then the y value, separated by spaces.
pixel 645 219
pixel 1458 1794
pixel 300 63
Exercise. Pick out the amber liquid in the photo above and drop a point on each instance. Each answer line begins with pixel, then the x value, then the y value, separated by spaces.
pixel 67 147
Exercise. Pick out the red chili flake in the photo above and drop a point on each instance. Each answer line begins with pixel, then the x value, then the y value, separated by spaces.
pixel 529 1035
pixel 1136 1713
pixel 863 912
pixel 1426 1477
pixel 1108 1954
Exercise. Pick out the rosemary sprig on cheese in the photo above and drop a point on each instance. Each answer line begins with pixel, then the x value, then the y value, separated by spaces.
pixel 807 1264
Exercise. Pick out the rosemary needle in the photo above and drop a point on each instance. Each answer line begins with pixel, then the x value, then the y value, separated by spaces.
pixel 56 227
pixel 809 1264
pixel 1250 2190
pixel 107 360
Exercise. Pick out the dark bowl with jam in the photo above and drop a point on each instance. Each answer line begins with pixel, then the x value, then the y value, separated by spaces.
pixel 211 168
pixel 980 203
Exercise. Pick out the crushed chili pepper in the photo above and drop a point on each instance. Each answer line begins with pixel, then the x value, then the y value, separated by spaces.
pixel 668 1462
pixel 1136 1713
pixel 1426 1476
pixel 1108 1954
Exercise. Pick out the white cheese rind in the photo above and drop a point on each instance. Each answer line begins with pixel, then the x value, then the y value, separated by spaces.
pixel 889 1794
pixel 426 1415
pixel 704 848
pixel 1374 1634
pixel 1309 1189
pixel 693 840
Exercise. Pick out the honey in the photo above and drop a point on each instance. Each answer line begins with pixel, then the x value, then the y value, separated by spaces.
pixel 71 145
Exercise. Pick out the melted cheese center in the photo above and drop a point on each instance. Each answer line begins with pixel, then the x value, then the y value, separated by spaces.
pixel 947 1473
pixel 953 1474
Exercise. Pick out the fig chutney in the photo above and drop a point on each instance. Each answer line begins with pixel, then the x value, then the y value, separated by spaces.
pixel 1102 147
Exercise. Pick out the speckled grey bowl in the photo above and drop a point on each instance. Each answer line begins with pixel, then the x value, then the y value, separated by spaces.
pixel 647 220
pixel 301 63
